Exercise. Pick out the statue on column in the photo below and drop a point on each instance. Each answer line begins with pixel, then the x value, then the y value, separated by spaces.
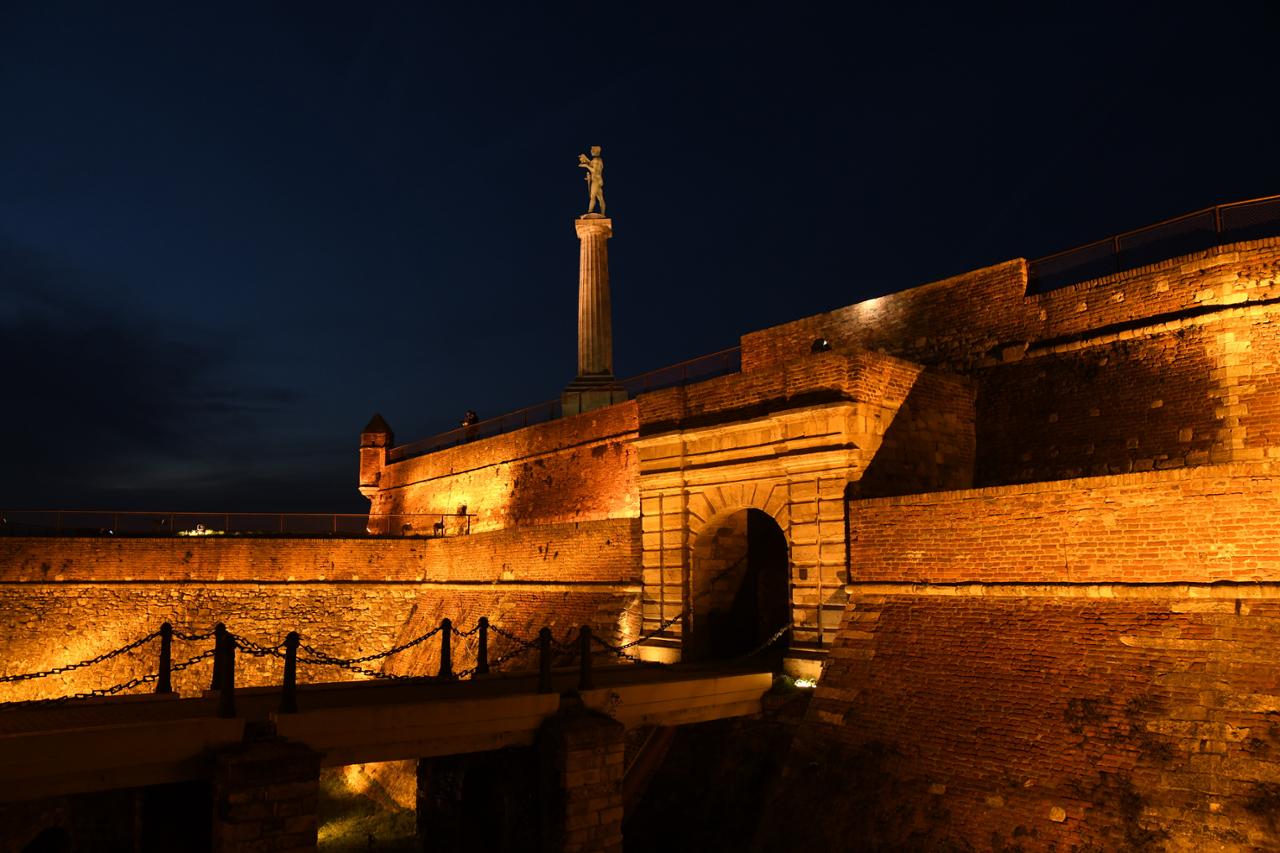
pixel 594 178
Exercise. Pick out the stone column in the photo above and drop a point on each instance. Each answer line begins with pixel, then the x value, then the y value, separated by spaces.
pixel 594 385
pixel 582 756
pixel 264 798
pixel 595 317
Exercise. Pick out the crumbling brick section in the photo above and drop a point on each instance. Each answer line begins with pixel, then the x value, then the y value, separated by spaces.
pixel 265 795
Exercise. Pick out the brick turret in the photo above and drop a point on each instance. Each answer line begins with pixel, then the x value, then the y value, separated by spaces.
pixel 375 438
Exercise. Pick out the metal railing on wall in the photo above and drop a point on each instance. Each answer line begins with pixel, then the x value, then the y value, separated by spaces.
pixel 54 522
pixel 694 370
pixel 1181 235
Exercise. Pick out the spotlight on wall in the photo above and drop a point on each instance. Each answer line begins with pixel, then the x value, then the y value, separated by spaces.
pixel 820 345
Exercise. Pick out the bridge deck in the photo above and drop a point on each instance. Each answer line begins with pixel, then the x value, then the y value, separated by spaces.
pixel 144 740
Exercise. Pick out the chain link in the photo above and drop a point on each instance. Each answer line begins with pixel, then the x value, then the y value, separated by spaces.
pixel 257 650
pixel 58 670
pixel 328 658
pixel 149 678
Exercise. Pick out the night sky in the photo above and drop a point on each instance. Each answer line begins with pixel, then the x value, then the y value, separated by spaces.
pixel 230 233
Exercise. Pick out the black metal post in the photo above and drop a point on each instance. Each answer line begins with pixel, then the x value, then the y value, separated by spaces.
pixel 482 656
pixel 227 691
pixel 544 660
pixel 289 690
pixel 219 639
pixel 163 683
pixel 584 652
pixel 446 648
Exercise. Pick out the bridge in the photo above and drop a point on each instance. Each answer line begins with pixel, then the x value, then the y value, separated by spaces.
pixel 256 753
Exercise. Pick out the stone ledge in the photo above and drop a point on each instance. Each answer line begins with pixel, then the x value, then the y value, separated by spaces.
pixel 1217 590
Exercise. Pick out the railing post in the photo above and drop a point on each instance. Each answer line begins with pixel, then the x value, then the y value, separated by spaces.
pixel 446 648
pixel 1217 219
pixel 584 653
pixel 289 689
pixel 219 638
pixel 227 692
pixel 544 660
pixel 1115 251
pixel 482 655
pixel 163 683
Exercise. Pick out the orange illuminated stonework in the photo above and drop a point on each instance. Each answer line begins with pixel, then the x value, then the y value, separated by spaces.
pixel 1030 543
pixel 1027 543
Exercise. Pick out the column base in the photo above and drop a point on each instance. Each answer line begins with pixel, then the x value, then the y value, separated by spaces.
pixel 587 393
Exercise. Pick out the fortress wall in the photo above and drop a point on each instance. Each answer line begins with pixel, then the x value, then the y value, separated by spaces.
pixel 929 442
pixel 1190 525
pixel 971 318
pixel 1043 723
pixel 741 396
pixel 66 599
pixel 43 625
pixel 929 323
pixel 595 551
pixel 580 468
pixel 1188 392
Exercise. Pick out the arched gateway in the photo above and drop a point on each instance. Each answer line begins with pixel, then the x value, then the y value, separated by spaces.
pixel 740 586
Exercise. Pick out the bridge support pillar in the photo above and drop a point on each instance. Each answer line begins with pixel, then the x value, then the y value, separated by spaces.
pixel 582 765
pixel 264 798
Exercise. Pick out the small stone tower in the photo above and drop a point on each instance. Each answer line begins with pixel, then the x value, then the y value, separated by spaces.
pixel 375 438
pixel 594 386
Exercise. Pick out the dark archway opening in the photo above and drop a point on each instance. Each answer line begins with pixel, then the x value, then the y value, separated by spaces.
pixel 741 588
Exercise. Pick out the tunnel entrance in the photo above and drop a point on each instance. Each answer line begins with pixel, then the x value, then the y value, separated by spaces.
pixel 740 587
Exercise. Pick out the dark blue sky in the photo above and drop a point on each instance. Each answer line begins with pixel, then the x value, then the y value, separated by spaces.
pixel 229 233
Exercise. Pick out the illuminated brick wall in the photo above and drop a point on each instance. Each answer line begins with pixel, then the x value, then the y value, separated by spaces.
pixel 1037 723
pixel 983 316
pixel 346 597
pixel 1084 664
pixel 574 469
pixel 1219 522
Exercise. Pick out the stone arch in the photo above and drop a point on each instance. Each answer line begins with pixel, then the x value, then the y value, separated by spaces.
pixel 739 581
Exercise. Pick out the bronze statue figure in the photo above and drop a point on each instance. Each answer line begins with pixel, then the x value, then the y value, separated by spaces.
pixel 594 178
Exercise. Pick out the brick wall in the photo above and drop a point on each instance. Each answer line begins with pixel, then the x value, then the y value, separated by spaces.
pixel 1183 393
pixel 817 378
pixel 1192 525
pixel 605 550
pixel 1042 723
pixel 929 442
pixel 63 599
pixel 573 469
pixel 971 318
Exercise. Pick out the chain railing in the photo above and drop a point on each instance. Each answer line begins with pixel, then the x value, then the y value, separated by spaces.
pixel 1181 235
pixel 56 522
pixel 584 646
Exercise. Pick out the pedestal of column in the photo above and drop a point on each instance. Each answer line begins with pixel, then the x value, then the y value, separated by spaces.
pixel 594 386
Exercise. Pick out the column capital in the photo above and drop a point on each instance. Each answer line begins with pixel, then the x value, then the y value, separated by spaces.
pixel 592 224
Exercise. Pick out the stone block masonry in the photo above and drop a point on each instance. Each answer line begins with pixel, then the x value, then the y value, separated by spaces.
pixel 64 600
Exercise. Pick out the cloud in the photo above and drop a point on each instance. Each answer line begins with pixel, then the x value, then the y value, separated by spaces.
pixel 101 399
